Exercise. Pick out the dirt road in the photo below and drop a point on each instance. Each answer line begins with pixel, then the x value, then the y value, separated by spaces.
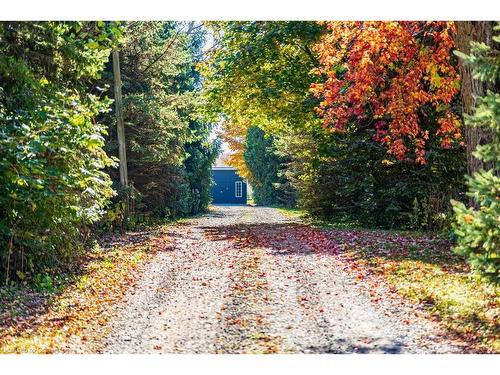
pixel 249 280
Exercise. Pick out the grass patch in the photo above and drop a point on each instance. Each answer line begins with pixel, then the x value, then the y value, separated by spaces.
pixel 466 304
pixel 294 213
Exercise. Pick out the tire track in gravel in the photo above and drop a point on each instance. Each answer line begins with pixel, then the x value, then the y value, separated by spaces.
pixel 242 327
pixel 243 324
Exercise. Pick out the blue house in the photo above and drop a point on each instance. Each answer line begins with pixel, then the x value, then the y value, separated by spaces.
pixel 229 187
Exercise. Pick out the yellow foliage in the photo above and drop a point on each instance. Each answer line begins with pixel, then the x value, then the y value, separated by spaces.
pixel 234 134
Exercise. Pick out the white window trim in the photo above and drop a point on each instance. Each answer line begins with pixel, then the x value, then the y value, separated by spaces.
pixel 236 189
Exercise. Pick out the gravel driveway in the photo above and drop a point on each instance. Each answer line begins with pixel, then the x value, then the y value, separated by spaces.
pixel 246 280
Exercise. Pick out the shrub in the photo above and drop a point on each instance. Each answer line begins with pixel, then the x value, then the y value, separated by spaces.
pixel 52 184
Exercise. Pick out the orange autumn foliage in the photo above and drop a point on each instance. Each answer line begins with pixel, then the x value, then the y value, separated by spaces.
pixel 234 134
pixel 389 75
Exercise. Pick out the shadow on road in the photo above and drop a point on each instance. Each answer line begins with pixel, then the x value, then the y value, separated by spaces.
pixel 281 238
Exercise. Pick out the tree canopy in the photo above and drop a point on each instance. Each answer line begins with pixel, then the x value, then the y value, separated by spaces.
pixel 392 76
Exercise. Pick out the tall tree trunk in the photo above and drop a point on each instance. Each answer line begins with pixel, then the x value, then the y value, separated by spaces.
pixel 467 31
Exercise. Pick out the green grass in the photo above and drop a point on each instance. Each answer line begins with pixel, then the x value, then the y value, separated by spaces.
pixel 443 284
pixel 294 213
pixel 465 303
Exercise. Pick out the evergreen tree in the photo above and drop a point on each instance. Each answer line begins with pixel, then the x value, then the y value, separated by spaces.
pixel 168 155
pixel 264 166
pixel 478 228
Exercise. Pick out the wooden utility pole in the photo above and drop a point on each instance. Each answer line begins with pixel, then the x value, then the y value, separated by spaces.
pixel 122 151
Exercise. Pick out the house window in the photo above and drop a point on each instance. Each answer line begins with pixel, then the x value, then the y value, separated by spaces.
pixel 238 189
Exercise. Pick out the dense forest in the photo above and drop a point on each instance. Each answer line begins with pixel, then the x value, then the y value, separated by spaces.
pixel 59 181
pixel 371 123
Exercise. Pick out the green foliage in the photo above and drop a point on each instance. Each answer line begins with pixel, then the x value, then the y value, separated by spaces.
pixel 198 166
pixel 52 184
pixel 264 166
pixel 259 75
pixel 348 176
pixel 478 228
pixel 43 283
pixel 168 155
